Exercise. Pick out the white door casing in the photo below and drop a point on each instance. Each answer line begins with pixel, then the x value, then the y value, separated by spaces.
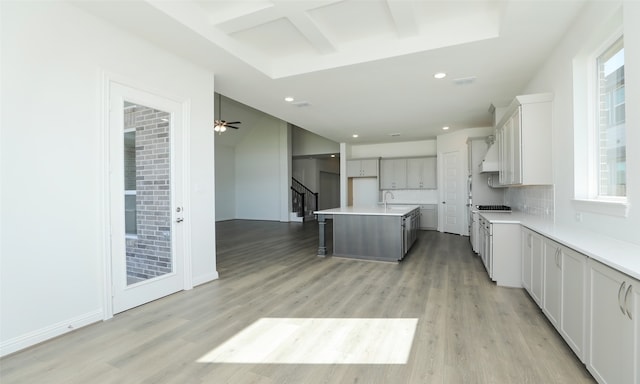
pixel 126 293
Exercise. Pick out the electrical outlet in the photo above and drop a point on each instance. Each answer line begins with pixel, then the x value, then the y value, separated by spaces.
pixel 578 217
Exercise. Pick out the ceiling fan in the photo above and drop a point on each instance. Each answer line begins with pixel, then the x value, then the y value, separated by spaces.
pixel 222 125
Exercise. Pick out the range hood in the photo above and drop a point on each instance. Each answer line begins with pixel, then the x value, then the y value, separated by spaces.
pixel 490 161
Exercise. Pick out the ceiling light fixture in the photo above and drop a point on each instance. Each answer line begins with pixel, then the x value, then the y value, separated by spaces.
pixel 355 135
pixel 288 99
pixel 221 125
pixel 445 128
pixel 440 75
pixel 333 155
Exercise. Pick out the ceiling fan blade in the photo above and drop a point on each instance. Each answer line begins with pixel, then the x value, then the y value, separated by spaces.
pixel 231 126
pixel 233 122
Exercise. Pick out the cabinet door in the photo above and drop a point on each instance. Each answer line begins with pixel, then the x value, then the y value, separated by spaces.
pixel 415 173
pixel 632 303
pixel 610 331
pixel 428 217
pixel 393 173
pixel 369 168
pixel 429 177
pixel 502 160
pixel 516 147
pixel 353 168
pixel 526 259
pixel 552 282
pixel 536 267
pixel 573 299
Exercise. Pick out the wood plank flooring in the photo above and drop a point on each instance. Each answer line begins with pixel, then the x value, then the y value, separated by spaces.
pixel 469 330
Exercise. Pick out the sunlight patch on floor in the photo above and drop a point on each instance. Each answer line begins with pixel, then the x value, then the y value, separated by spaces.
pixel 318 341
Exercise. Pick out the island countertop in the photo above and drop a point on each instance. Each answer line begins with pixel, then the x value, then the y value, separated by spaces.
pixel 373 210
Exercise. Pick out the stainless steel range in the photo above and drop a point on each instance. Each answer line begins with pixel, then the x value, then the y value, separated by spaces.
pixel 493 208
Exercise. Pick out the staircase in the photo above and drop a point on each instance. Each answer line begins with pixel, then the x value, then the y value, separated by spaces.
pixel 304 201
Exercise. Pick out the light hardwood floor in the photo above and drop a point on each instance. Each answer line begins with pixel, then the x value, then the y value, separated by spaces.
pixel 468 331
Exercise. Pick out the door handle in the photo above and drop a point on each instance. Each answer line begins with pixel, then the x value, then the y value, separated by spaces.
pixel 179 220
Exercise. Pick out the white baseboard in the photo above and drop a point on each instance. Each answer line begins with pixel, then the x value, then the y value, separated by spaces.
pixel 38 336
pixel 198 280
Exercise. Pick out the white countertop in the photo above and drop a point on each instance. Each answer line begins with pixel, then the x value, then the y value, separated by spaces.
pixel 394 202
pixel 374 210
pixel 620 255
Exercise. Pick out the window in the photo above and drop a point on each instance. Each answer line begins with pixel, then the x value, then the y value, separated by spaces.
pixel 610 153
pixel 599 118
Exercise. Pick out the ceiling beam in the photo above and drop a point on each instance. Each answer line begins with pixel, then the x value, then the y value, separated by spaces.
pixel 305 24
pixel 403 15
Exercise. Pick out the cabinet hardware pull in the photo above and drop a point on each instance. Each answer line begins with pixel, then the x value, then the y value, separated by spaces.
pixel 619 297
pixel 626 302
pixel 558 258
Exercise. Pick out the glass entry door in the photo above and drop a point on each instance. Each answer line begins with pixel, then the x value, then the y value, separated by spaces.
pixel 146 216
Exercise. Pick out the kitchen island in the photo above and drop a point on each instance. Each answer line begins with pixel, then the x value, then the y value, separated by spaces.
pixel 372 233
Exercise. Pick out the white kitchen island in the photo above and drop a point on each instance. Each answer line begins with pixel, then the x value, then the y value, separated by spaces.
pixel 371 233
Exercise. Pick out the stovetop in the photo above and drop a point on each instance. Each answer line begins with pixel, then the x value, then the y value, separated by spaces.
pixel 493 208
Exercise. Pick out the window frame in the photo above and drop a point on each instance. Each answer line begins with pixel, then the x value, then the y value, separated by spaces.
pixel 594 126
pixel 586 128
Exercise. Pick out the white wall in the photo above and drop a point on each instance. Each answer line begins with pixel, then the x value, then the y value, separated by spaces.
pixel 556 76
pixel 400 149
pixel 53 195
pixel 258 172
pixel 225 183
pixel 308 143
pixel 307 171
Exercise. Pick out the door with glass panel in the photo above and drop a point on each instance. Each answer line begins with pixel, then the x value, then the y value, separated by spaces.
pixel 145 136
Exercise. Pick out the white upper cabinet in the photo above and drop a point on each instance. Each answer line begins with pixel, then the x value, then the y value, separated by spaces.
pixel 421 173
pixel 362 168
pixel 393 173
pixel 524 141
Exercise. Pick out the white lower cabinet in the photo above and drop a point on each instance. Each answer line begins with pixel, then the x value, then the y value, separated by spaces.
pixel 564 293
pixel 429 216
pixel 573 298
pixel 613 356
pixel 532 258
pixel 594 307
pixel 552 291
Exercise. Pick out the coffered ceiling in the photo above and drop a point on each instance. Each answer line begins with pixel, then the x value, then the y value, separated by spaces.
pixel 358 66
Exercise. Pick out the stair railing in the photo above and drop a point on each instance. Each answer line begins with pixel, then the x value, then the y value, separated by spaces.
pixel 304 200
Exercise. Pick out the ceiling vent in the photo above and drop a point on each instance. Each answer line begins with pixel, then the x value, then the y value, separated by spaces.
pixel 464 80
pixel 301 104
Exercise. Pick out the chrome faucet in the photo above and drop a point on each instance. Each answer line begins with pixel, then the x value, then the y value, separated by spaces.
pixel 385 198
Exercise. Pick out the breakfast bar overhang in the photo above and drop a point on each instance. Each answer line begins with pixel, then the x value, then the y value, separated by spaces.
pixel 372 233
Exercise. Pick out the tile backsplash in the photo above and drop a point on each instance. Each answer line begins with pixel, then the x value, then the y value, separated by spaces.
pixel 537 200
pixel 418 196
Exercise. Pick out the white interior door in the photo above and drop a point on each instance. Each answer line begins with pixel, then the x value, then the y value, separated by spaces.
pixel 451 206
pixel 145 159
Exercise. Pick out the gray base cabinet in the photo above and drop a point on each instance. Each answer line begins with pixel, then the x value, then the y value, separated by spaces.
pixel 375 237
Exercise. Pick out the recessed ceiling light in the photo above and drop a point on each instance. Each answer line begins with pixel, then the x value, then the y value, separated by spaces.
pixel 440 75
pixel 288 99
pixel 333 155
pixel 355 135
pixel 445 128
